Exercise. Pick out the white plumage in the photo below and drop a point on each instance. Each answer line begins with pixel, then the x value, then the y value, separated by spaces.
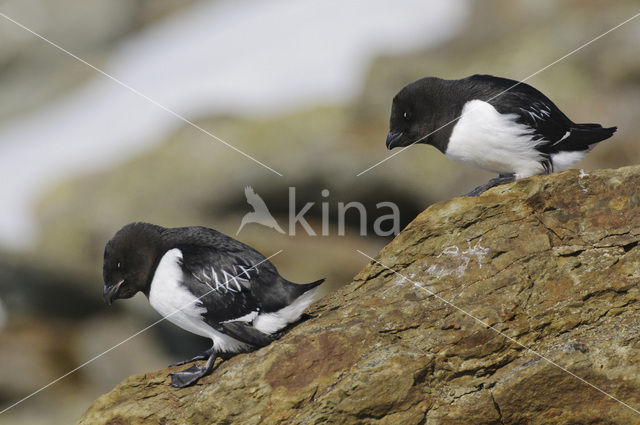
pixel 484 138
pixel 206 283
pixel 174 302
pixel 179 306
pixel 273 322
pixel 565 160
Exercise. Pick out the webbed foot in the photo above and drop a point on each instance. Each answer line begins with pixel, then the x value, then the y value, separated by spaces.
pixel 190 376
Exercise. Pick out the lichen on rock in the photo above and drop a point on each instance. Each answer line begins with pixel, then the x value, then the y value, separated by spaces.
pixel 488 310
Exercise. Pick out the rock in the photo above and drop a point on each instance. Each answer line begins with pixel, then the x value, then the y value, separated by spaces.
pixel 519 306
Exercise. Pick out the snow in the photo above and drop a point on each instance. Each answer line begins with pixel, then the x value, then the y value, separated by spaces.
pixel 232 57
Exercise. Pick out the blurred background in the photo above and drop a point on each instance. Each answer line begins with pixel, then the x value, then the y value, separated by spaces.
pixel 304 87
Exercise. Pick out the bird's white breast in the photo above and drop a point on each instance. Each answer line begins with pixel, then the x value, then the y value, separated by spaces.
pixel 177 304
pixel 484 138
pixel 171 299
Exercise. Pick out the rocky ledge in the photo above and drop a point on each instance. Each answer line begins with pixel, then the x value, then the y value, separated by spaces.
pixel 520 306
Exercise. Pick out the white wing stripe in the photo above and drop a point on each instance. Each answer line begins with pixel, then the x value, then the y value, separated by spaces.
pixel 567 134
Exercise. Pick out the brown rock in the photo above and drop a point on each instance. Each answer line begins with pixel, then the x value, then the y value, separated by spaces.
pixel 536 292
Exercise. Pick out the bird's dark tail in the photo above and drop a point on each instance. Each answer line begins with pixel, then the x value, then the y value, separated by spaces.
pixel 299 289
pixel 589 134
pixel 282 292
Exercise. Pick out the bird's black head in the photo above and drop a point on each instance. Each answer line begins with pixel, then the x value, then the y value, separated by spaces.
pixel 130 258
pixel 414 113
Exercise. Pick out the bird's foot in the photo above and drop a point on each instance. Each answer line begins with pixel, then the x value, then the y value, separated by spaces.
pixel 191 375
pixel 496 181
pixel 202 356
pixel 187 377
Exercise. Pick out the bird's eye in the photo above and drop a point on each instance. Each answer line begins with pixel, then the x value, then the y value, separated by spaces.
pixel 118 265
pixel 406 116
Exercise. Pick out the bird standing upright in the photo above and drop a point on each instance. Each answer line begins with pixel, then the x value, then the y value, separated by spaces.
pixel 207 283
pixel 492 123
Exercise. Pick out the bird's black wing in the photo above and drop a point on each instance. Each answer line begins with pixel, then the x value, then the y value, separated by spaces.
pixel 222 282
pixel 550 127
pixel 547 123
pixel 246 280
pixel 210 247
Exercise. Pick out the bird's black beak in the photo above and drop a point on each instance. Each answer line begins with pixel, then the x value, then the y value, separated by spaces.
pixel 393 139
pixel 109 293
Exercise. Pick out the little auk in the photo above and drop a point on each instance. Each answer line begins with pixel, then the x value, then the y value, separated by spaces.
pixel 206 283
pixel 492 123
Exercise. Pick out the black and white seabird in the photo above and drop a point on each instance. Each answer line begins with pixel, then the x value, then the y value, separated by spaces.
pixel 207 283
pixel 492 123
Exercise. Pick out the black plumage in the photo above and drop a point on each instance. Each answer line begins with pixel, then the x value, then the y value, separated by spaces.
pixel 531 135
pixel 538 112
pixel 207 283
